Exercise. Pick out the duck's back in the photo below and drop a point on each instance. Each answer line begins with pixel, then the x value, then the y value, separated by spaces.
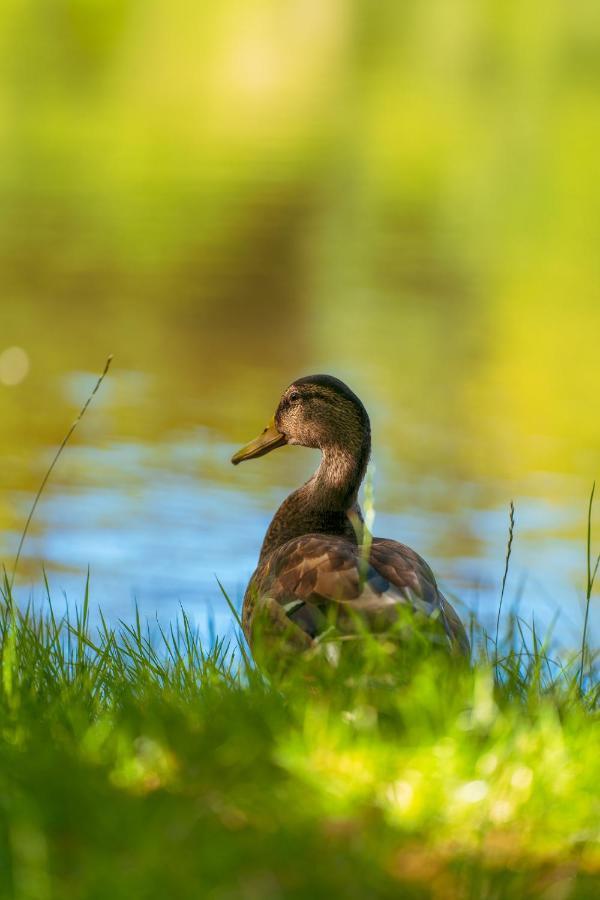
pixel 313 579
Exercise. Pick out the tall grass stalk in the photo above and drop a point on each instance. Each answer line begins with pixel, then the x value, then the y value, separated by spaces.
pixel 511 530
pixel 591 571
pixel 363 528
pixel 50 469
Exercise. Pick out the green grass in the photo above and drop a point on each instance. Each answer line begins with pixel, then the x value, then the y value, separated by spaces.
pixel 140 765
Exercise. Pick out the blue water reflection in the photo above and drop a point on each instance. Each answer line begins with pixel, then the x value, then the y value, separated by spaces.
pixel 157 527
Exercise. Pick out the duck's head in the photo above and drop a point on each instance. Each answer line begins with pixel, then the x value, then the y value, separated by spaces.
pixel 315 411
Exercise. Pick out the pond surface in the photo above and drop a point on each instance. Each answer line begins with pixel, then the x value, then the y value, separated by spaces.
pixel 227 202
pixel 145 494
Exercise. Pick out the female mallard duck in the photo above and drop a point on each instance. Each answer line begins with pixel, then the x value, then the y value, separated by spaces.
pixel 312 565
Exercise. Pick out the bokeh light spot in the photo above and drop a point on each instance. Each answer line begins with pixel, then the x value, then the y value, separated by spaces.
pixel 14 366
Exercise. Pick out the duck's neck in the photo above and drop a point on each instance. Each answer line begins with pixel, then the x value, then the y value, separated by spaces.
pixel 322 504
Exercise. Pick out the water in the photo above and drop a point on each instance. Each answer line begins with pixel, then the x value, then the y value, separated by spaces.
pixel 145 494
pixel 405 202
pixel 158 524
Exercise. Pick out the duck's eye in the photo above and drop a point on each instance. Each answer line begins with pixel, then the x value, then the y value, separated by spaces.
pixel 294 396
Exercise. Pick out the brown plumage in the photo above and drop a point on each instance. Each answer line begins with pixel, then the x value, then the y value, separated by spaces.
pixel 313 569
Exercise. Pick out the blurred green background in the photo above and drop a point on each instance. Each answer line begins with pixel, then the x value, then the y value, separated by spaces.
pixel 227 196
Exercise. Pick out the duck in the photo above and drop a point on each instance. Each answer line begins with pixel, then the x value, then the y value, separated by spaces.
pixel 318 565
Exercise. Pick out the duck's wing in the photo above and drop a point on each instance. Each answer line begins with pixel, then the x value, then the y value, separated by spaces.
pixel 394 560
pixel 315 577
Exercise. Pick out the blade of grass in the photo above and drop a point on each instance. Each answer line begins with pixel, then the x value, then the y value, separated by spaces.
pixel 511 530
pixel 236 616
pixel 57 456
pixel 591 577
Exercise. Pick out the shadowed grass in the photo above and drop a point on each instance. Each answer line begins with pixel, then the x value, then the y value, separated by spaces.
pixel 134 762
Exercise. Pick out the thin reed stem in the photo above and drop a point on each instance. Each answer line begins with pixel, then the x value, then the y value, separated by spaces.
pixel 57 455
pixel 591 577
pixel 511 530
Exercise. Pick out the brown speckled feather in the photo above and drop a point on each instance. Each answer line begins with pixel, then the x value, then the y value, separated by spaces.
pixel 315 575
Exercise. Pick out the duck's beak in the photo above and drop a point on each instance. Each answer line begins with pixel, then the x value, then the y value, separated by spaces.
pixel 264 443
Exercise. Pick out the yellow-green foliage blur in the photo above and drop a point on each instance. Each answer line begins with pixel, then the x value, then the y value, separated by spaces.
pixel 211 190
pixel 228 195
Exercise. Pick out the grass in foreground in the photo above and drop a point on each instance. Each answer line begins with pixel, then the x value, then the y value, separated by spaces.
pixel 133 767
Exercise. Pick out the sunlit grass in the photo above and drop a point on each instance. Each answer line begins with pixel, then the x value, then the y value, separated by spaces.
pixel 135 762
